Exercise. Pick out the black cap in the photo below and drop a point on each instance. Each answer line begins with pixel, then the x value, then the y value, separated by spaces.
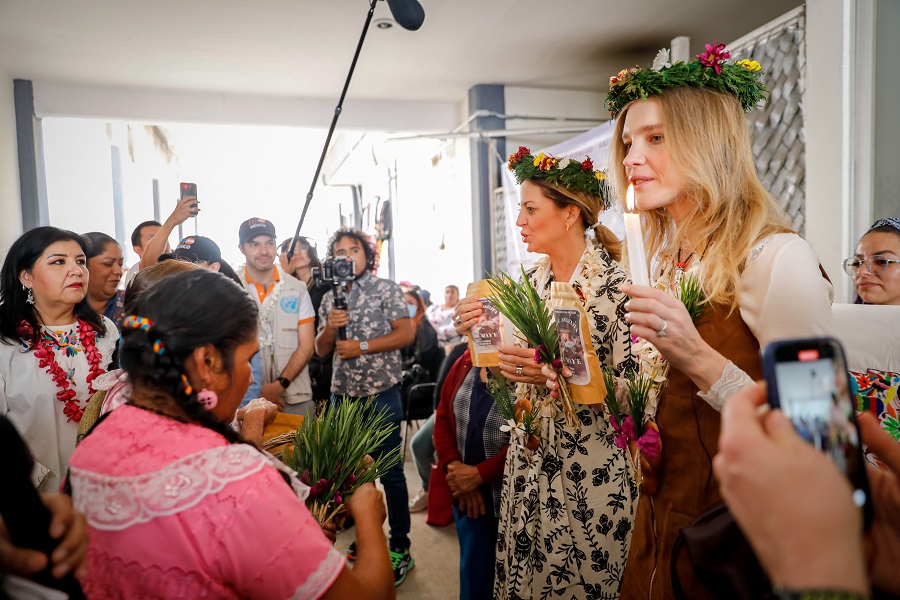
pixel 197 248
pixel 254 227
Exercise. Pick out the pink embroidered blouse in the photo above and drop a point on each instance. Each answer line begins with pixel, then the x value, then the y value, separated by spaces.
pixel 175 511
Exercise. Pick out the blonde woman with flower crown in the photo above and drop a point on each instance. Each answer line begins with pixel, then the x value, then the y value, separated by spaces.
pixel 686 151
pixel 566 507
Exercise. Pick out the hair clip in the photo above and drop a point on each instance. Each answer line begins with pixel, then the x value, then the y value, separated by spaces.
pixel 186 385
pixel 135 322
pixel 159 347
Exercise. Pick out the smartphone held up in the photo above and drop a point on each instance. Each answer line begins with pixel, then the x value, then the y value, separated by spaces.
pixel 809 381
pixel 189 194
pixel 188 190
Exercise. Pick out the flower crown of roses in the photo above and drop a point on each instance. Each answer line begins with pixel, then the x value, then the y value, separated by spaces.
pixel 571 174
pixel 708 70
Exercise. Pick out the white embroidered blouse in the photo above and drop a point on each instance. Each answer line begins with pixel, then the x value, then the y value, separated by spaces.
pixel 28 397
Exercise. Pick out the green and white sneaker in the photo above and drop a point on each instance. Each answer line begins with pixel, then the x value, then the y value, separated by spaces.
pixel 402 563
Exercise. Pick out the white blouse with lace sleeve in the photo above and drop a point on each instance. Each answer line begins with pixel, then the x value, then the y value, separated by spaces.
pixel 28 398
pixel 783 295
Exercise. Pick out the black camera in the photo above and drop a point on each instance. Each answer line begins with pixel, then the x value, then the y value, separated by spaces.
pixel 340 273
pixel 336 271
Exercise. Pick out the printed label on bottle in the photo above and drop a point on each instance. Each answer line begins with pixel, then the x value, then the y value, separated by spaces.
pixel 571 344
pixel 487 334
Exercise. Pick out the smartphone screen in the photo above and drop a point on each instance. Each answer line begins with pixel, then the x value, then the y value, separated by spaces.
pixel 808 380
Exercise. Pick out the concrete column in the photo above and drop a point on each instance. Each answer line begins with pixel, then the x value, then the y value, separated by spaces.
pixel 484 178
pixel 829 103
pixel 886 201
pixel 11 221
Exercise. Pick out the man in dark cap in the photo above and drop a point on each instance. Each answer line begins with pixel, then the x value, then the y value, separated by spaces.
pixel 286 320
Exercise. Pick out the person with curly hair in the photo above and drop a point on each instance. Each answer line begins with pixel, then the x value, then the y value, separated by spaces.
pixel 367 363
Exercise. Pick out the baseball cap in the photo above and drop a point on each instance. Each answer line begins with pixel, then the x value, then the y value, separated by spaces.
pixel 254 227
pixel 197 248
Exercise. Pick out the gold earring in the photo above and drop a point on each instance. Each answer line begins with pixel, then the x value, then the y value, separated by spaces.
pixel 567 226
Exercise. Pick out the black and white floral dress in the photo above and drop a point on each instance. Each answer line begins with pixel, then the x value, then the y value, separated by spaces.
pixel 566 509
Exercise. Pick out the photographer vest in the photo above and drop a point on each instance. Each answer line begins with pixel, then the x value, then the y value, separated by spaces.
pixel 279 320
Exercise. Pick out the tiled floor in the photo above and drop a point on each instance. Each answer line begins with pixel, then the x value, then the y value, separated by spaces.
pixel 435 550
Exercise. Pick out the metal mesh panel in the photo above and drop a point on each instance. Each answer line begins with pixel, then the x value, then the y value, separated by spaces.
pixel 776 130
pixel 501 259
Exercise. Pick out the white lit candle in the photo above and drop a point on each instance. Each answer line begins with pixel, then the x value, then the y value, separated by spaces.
pixel 634 238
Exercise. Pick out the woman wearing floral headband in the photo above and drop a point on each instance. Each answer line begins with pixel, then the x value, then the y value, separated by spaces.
pixel 53 345
pixel 566 507
pixel 875 267
pixel 177 504
pixel 682 141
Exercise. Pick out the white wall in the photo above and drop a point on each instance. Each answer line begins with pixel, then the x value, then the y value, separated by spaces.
pixel 10 205
pixel 539 102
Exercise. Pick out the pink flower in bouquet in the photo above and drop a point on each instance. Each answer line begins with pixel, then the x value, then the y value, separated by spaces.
pixel 714 56
pixel 323 483
pixel 624 432
pixel 539 354
pixel 313 491
pixel 557 365
pixel 649 443
pixel 338 499
pixel 348 483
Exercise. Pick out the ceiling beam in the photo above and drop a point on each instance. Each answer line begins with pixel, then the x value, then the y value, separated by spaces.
pixel 162 106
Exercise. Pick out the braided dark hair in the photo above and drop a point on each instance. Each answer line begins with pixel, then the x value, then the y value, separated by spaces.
pixel 188 310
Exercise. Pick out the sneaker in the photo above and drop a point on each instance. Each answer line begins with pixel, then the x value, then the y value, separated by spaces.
pixel 351 552
pixel 402 562
pixel 419 502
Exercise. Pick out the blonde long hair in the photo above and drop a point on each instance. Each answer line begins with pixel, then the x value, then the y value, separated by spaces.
pixel 708 141
pixel 589 207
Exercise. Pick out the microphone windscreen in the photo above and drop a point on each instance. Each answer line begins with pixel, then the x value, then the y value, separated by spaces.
pixel 409 14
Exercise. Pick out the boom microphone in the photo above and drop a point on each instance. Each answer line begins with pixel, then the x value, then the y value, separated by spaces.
pixel 409 14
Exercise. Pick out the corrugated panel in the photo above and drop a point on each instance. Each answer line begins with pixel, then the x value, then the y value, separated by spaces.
pixel 776 130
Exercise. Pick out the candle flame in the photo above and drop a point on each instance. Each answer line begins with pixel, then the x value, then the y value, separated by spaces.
pixel 629 197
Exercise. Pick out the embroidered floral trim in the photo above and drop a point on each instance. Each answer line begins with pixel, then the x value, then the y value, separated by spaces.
pixel 322 578
pixel 44 352
pixel 732 380
pixel 757 249
pixel 116 503
pixel 110 576
pixel 109 379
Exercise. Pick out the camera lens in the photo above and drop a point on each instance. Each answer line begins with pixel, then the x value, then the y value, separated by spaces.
pixel 343 269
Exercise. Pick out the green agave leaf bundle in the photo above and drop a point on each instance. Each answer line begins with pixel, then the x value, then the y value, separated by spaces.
pixel 333 451
pixel 523 306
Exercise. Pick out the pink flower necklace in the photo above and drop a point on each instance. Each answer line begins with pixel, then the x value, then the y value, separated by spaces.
pixel 43 351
